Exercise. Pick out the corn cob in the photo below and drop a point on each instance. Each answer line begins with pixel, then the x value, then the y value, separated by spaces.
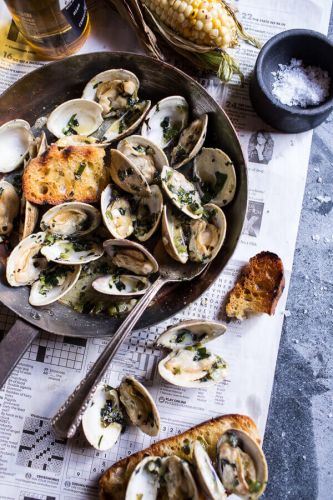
pixel 204 22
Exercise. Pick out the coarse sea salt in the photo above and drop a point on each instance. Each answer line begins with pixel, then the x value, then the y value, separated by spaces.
pixel 298 85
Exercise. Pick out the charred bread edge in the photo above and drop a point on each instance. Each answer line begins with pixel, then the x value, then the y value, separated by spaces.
pixel 117 476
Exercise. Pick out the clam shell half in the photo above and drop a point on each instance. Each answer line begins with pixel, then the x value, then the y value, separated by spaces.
pixel 173 236
pixel 241 464
pixel 53 283
pixel 121 285
pixel 190 142
pixel 127 175
pixel 145 479
pixel 9 207
pixel 117 213
pixel 181 192
pixel 140 406
pixel 16 140
pixel 117 128
pixel 207 475
pixel 25 263
pixel 71 219
pixel 71 251
pixel 191 332
pixel 131 256
pixel 148 213
pixel 207 234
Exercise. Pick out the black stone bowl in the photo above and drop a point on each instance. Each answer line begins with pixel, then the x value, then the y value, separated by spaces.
pixel 313 49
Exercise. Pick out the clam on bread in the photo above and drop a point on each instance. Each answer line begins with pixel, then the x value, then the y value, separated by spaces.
pixel 216 458
pixel 258 288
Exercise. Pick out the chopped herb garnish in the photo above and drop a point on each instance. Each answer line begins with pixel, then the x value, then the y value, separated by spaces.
pixel 254 486
pixel 201 354
pixel 1 191
pixel 72 122
pixel 110 413
pixel 80 170
pixel 52 277
pixel 169 131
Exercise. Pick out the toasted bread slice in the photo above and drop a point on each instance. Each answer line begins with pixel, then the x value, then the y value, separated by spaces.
pixel 113 483
pixel 258 288
pixel 66 174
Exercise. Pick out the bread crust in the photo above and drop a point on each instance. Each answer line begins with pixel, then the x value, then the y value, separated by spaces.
pixel 112 485
pixel 66 174
pixel 258 288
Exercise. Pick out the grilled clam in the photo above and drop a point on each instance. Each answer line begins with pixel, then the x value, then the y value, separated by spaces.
pixel 207 234
pixel 242 466
pixel 181 192
pixel 148 212
pixel 116 90
pixel 25 263
pixel 178 479
pixel 173 235
pixel 16 140
pixel 116 128
pixel 190 364
pixel 190 142
pixel 117 213
pixel 166 120
pixel 9 207
pixel 71 251
pixel 131 256
pixel 216 176
pixel 71 219
pixel 207 475
pixel 75 117
pixel 103 420
pixel 145 155
pixel 144 482
pixel 53 283
pixel 140 406
pixel 127 175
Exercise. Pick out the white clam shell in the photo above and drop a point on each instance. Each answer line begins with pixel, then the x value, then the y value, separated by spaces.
pixel 16 139
pixel 207 475
pixel 89 91
pixel 23 264
pixel 117 128
pixel 173 237
pixel 126 174
pixel 99 436
pixel 122 285
pixel 211 228
pixel 254 451
pixel 190 142
pixel 140 406
pixel 28 219
pixel 41 295
pixel 153 203
pixel 181 192
pixel 214 169
pixel 145 480
pixel 166 120
pixel 117 213
pixel 72 252
pixel 86 116
pixel 133 256
pixel 71 219
pixel 9 207
pixel 191 332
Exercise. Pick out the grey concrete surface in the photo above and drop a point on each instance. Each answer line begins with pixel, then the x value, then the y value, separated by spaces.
pixel 299 435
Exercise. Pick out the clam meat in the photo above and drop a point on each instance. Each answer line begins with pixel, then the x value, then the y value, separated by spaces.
pixel 9 207
pixel 207 234
pixel 71 219
pixel 181 192
pixel 148 213
pixel 178 480
pixel 190 142
pixel 117 213
pixel 131 256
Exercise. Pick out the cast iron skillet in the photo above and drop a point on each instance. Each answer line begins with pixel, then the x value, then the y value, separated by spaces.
pixel 37 94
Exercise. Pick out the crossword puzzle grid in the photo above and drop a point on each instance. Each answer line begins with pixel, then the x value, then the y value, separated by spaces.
pixel 67 352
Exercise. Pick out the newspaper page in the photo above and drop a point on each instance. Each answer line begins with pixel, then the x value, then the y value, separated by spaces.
pixel 35 464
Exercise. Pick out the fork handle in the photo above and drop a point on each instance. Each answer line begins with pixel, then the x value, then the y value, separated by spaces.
pixel 69 415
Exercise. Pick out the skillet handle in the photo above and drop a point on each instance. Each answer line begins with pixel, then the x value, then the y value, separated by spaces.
pixel 13 346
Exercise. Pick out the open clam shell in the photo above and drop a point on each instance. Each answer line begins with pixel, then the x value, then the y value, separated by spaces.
pixel 127 175
pixel 190 142
pixel 178 478
pixel 191 332
pixel 146 156
pixel 166 120
pixel 207 234
pixel 114 89
pixel 117 213
pixel 140 406
pixel 71 219
pixel 9 207
pixel 148 213
pixel 75 117
pixel 71 251
pixel 144 482
pixel 25 263
pixel 216 176
pixel 173 236
pixel 117 128
pixel 121 285
pixel 53 283
pixel 241 464
pixel 103 420
pixel 181 192
pixel 207 475
pixel 16 140
pixel 131 256
pixel 193 366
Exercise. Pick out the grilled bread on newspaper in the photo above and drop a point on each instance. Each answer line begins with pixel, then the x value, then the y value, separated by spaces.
pixel 65 174
pixel 258 288
pixel 216 458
